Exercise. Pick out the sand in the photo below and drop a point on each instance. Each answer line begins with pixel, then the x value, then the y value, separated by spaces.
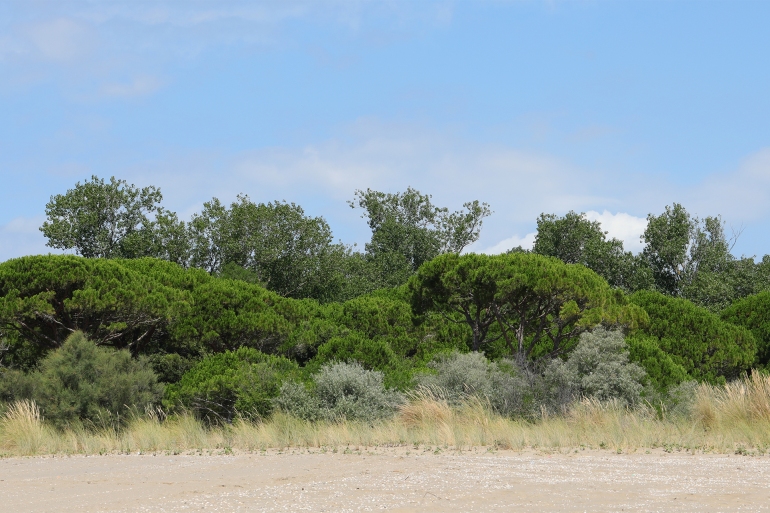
pixel 387 480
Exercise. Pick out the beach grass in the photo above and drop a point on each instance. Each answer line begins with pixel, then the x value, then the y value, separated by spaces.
pixel 733 418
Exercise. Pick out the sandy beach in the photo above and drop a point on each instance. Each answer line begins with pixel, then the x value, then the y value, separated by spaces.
pixel 386 480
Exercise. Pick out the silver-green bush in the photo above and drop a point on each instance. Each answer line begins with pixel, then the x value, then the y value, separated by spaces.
pixel 598 367
pixel 503 385
pixel 342 391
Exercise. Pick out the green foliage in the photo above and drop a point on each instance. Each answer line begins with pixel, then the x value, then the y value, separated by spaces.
pixel 667 239
pixel 708 348
pixel 242 382
pixel 753 313
pixel 690 258
pixel 505 387
pixel 372 354
pixel 540 305
pixel 662 371
pixel 408 230
pixel 574 239
pixel 227 314
pixel 100 219
pixel 276 243
pixel 382 318
pixel 343 391
pixel 83 382
pixel 170 367
pixel 46 298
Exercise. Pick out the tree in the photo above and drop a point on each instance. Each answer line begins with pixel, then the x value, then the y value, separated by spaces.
pixel 45 299
pixel 282 248
pixel 574 239
pixel 409 226
pixel 753 313
pixel 99 219
pixel 538 304
pixel 708 348
pixel 228 314
pixel 691 258
pixel 667 238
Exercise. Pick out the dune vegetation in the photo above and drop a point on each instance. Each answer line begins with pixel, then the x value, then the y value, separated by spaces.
pixel 247 328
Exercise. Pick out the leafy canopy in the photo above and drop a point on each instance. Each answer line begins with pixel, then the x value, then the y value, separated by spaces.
pixel 708 348
pixel 108 220
pixel 538 305
pixel 408 230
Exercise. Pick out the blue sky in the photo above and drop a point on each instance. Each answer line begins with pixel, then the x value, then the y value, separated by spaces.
pixel 612 108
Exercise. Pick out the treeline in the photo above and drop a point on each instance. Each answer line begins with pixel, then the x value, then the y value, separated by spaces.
pixel 251 307
pixel 274 244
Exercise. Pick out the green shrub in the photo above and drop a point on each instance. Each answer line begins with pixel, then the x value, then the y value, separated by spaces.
pixel 242 382
pixel 170 367
pixel 708 348
pixel 372 354
pixel 83 382
pixel 342 391
pixel 662 371
pixel 753 313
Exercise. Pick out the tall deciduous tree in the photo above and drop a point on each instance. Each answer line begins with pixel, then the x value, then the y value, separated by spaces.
pixel 282 248
pixel 410 227
pixel 574 239
pixel 691 258
pixel 99 219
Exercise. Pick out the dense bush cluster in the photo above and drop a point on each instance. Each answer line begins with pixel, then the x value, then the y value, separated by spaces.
pixel 83 382
pixel 341 391
pixel 251 308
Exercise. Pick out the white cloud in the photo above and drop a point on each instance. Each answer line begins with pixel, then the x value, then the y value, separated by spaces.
pixel 61 40
pixel 525 242
pixel 322 176
pixel 139 86
pixel 622 226
pixel 24 225
pixel 519 185
pixel 21 236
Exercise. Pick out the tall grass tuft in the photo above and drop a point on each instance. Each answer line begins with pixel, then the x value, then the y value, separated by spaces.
pixel 22 429
pixel 741 402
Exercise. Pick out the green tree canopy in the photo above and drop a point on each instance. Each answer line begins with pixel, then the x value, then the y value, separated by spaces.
pixel 408 229
pixel 753 313
pixel 708 348
pixel 47 298
pixel 539 305
pixel 109 220
pixel 574 239
pixel 283 249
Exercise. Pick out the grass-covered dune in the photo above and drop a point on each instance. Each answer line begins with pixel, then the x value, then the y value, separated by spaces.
pixel 732 418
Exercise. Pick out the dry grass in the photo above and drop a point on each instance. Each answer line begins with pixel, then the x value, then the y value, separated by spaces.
pixel 732 418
